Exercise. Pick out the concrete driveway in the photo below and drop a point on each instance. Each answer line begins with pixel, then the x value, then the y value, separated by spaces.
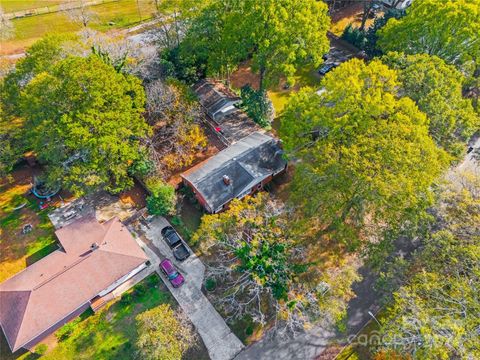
pixel 221 343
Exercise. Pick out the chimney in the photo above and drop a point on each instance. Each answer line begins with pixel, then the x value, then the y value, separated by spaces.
pixel 226 180
pixel 94 246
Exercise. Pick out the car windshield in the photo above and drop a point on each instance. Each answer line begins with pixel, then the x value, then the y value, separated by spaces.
pixel 173 275
pixel 173 237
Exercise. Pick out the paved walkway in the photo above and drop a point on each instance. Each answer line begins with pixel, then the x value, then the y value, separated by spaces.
pixel 221 343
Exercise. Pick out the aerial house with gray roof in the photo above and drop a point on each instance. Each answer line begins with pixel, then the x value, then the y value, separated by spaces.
pixel 235 172
pixel 220 103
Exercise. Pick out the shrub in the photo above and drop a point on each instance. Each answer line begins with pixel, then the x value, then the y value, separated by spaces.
pixel 354 36
pixel 126 298
pixel 182 64
pixel 142 168
pixel 163 333
pixel 152 280
pixel 66 330
pixel 41 349
pixel 140 290
pixel 257 105
pixel 162 199
pixel 210 284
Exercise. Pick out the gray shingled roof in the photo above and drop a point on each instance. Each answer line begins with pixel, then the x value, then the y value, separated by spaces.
pixel 246 163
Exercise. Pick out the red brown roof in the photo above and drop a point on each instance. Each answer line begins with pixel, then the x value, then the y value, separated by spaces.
pixel 93 256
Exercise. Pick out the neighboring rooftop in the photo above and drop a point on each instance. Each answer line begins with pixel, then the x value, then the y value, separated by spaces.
pixel 236 169
pixel 219 103
pixel 213 95
pixel 93 257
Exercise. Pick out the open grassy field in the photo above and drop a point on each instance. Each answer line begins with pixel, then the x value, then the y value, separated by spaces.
pixel 18 250
pixel 110 16
pixel 19 5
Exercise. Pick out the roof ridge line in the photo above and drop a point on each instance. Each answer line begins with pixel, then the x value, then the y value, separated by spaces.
pixel 235 158
pixel 118 253
pixel 21 320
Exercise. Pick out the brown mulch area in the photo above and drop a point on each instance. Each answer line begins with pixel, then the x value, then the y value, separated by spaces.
pixel 244 76
pixel 135 196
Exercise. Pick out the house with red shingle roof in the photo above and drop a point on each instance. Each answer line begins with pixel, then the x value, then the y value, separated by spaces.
pixel 92 261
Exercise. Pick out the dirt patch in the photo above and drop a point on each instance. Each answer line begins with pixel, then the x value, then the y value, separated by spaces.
pixel 351 14
pixel 134 196
pixel 244 76
pixel 348 11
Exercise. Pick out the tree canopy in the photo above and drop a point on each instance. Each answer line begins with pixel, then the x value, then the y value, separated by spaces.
pixel 262 271
pixel 435 314
pixel 436 87
pixel 280 36
pixel 174 114
pixel 84 120
pixel 163 334
pixel 365 158
pixel 39 57
pixel 448 29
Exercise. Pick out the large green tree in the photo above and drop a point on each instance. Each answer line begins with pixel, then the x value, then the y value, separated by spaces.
pixel 365 159
pixel 163 334
pixel 285 35
pixel 280 36
pixel 448 29
pixel 436 87
pixel 41 56
pixel 83 119
pixel 436 314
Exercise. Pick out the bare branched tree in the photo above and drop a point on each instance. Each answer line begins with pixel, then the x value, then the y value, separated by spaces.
pixel 79 12
pixel 175 120
pixel 136 60
pixel 257 265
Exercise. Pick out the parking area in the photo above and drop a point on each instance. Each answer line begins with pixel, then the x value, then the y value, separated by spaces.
pixel 221 343
pixel 103 205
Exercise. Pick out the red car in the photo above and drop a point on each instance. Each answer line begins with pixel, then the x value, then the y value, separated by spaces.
pixel 176 279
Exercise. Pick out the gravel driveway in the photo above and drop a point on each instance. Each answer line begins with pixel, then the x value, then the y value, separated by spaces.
pixel 221 343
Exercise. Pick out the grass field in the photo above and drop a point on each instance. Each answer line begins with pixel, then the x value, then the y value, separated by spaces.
pixel 307 76
pixel 110 16
pixel 19 5
pixel 18 250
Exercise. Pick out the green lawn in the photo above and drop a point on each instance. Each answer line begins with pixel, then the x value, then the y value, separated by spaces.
pixel 110 333
pixel 307 76
pixel 114 15
pixel 18 5
pixel 188 219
